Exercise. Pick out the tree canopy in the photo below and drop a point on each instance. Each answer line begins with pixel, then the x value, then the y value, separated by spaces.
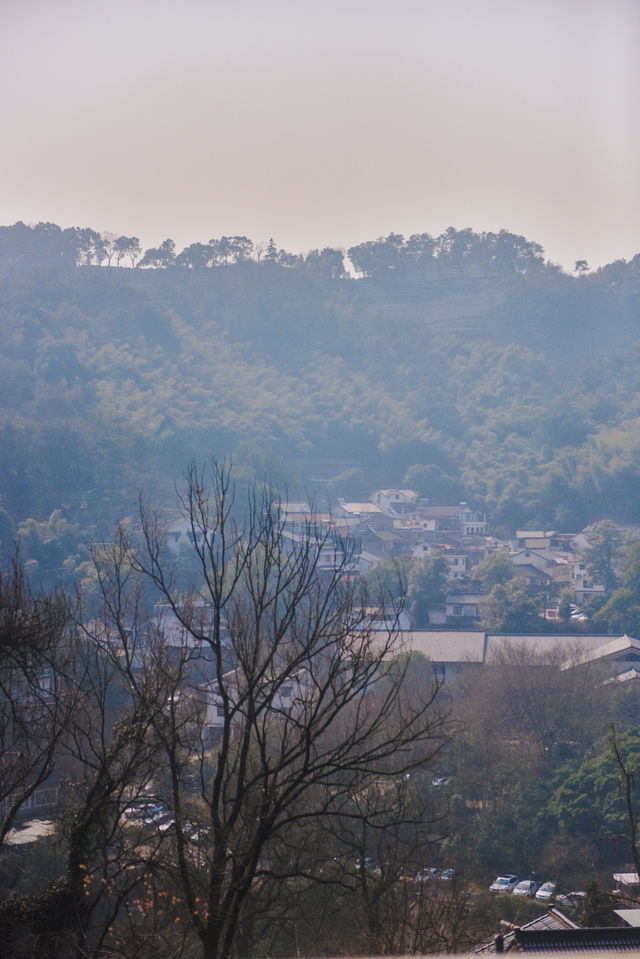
pixel 443 363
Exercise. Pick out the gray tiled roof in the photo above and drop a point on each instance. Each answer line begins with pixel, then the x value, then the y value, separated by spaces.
pixel 623 939
pixel 552 919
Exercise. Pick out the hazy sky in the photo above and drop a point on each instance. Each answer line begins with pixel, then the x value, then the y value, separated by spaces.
pixel 325 123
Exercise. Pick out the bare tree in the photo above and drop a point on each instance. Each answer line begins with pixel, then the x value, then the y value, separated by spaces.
pixel 300 706
pixel 35 700
pixel 627 765
pixel 391 834
pixel 70 709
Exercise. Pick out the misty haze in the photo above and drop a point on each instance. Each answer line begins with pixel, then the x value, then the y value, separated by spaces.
pixel 319 478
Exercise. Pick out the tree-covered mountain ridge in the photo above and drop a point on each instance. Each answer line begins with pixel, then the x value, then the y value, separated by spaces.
pixel 464 364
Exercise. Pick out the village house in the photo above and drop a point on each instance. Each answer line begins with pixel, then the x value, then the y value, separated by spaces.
pixel 395 502
pixel 455 558
pixel 367 515
pixel 459 521
pixel 463 608
pixel 278 699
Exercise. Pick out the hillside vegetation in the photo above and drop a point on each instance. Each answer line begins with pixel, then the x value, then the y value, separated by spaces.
pixel 463 365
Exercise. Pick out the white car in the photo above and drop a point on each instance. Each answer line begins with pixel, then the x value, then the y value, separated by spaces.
pixel 547 891
pixel 504 883
pixel 526 887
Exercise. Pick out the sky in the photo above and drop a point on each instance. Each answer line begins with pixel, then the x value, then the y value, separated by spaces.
pixel 325 123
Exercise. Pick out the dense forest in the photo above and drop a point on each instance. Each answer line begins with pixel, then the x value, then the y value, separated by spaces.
pixel 465 366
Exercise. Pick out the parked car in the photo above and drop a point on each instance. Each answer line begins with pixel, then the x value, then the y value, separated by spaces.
pixel 447 875
pixel 144 811
pixel 569 900
pixel 427 874
pixel 504 883
pixel 526 887
pixel 193 832
pixel 155 815
pixel 547 891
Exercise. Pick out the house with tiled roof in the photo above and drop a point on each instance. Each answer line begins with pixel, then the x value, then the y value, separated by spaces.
pixel 553 919
pixel 614 939
pixel 395 502
pixel 365 514
pixel 621 653
pixel 455 651
pixel 553 932
pixel 451 651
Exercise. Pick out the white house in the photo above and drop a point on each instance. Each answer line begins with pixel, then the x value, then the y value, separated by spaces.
pixel 395 502
pixel 277 699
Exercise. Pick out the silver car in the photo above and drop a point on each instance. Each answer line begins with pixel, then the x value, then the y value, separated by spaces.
pixel 547 891
pixel 504 883
pixel 526 887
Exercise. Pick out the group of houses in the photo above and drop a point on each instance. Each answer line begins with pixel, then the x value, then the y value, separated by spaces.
pixel 397 524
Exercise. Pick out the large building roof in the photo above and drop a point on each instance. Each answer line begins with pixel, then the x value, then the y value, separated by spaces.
pixel 447 646
pixel 552 919
pixel 540 645
pixel 615 939
pixel 476 646
pixel 609 646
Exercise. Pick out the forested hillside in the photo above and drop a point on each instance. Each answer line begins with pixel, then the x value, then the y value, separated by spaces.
pixel 465 366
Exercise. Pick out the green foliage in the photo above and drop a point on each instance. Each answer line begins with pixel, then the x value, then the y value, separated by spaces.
pixel 432 483
pixel 254 463
pixel 387 582
pixel 505 908
pixel 52 550
pixel 444 369
pixel 426 585
pixel 599 906
pixel 351 484
pixel 602 553
pixel 529 795
pixel 510 609
pixel 567 597
pixel 589 802
pixel 496 568
pixel 621 613
pixel 631 570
